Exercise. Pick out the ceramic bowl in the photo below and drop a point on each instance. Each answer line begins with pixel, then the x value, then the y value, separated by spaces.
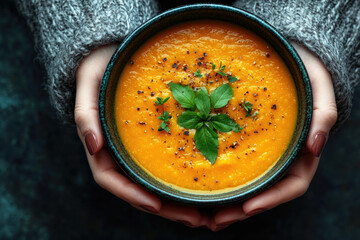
pixel 197 12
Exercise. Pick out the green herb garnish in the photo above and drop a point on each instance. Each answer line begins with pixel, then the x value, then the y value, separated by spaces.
pixel 183 95
pixel 164 126
pixel 202 102
pixel 222 68
pixel 248 108
pixel 206 139
pixel 198 74
pixel 161 101
pixel 222 72
pixel 165 117
pixel 255 114
pixel 223 123
pixel 221 96
pixel 207 142
pixel 189 120
pixel 231 78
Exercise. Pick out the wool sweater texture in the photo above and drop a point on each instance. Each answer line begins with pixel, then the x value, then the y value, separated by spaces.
pixel 66 31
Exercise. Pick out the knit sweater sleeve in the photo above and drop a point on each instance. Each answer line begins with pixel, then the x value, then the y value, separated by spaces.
pixel 66 31
pixel 330 29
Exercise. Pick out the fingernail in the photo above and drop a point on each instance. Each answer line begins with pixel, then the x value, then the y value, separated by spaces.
pixel 256 211
pixel 90 141
pixel 149 209
pixel 186 223
pixel 319 144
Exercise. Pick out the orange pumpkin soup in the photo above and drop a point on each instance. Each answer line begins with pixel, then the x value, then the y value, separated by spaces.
pixel 190 54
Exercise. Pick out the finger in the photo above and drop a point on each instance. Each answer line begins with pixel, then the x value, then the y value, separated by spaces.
pixel 88 78
pixel 106 175
pixel 292 186
pixel 86 113
pixel 227 216
pixel 325 112
pixel 189 216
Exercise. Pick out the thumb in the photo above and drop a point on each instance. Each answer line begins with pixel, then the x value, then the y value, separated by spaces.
pixel 324 112
pixel 86 113
pixel 324 115
pixel 88 78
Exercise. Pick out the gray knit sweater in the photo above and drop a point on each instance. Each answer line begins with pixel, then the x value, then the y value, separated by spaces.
pixel 66 31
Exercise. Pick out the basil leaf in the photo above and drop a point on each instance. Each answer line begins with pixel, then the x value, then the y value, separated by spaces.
pixel 206 140
pixel 209 125
pixel 237 128
pixel 199 125
pixel 202 102
pixel 188 119
pixel 221 96
pixel 221 73
pixel 165 100
pixel 183 95
pixel 232 79
pixel 163 126
pixel 161 101
pixel 165 116
pixel 223 123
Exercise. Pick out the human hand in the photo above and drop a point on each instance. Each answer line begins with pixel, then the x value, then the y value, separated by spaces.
pixel 298 178
pixel 104 169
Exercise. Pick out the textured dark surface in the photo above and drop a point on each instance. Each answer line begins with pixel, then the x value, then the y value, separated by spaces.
pixel 47 190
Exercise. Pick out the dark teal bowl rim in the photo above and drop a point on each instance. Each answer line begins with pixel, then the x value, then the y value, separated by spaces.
pixel 206 201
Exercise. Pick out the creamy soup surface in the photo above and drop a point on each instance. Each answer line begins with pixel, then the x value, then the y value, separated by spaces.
pixel 174 55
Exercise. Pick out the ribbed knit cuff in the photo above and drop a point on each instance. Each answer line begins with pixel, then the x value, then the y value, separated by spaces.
pixel 66 31
pixel 330 29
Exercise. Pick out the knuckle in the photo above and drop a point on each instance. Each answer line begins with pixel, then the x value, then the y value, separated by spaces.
pixel 331 114
pixel 82 113
pixel 302 188
pixel 97 179
pixel 328 115
pixel 79 114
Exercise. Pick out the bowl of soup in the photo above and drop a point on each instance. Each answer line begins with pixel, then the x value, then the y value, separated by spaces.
pixel 205 105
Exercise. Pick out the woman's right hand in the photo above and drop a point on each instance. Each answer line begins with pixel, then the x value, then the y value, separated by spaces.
pixel 104 169
pixel 297 180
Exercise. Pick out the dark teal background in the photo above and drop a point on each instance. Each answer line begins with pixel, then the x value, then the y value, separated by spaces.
pixel 47 190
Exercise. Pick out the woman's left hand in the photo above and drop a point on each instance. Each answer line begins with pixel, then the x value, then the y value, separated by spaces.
pixel 104 169
pixel 298 178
